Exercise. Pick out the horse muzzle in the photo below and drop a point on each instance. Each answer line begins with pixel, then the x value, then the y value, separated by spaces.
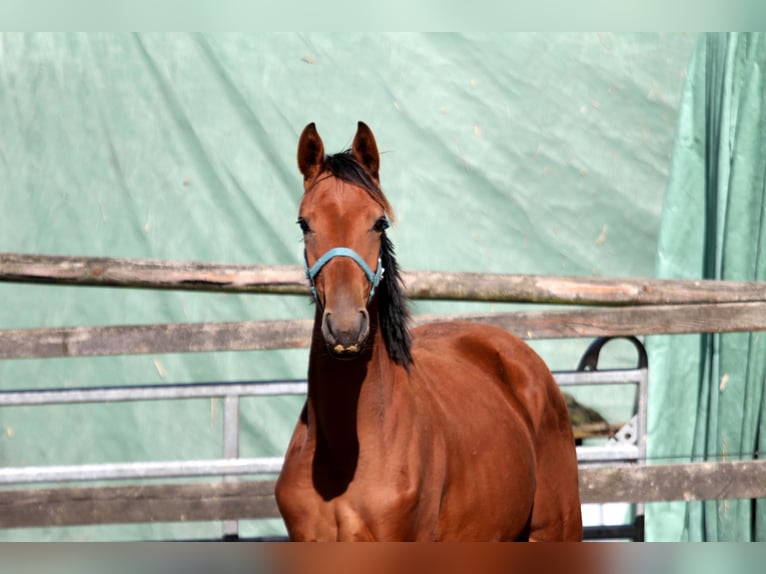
pixel 345 332
pixel 345 328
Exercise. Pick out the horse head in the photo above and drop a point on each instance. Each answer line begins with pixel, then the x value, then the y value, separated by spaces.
pixel 343 217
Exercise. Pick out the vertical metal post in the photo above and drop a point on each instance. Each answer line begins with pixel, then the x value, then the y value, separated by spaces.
pixel 643 434
pixel 230 450
pixel 643 419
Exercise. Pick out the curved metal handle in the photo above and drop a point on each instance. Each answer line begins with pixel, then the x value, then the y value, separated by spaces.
pixel 589 361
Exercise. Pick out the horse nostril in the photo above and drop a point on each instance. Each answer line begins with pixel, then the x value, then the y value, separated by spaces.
pixel 364 324
pixel 328 324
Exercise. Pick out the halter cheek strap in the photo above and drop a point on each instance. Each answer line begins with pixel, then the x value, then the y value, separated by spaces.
pixel 313 271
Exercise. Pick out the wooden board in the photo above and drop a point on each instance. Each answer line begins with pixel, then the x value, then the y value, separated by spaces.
pixel 131 504
pixel 692 481
pixel 291 280
pixel 257 335
pixel 255 499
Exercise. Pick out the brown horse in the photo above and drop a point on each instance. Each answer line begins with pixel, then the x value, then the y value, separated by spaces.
pixel 458 432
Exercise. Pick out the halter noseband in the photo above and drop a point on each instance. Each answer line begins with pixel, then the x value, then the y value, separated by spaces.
pixel 313 271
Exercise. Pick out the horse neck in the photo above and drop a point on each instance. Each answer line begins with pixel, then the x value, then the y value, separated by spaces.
pixel 344 392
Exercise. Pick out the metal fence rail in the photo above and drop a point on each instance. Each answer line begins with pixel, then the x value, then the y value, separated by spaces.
pixel 150 392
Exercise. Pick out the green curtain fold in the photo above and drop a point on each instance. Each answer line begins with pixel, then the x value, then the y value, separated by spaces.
pixel 706 391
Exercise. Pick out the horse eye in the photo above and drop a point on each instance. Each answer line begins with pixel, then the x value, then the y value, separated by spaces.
pixel 304 225
pixel 381 225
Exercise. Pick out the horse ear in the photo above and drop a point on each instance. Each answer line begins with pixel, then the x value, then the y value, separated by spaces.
pixel 365 150
pixel 310 152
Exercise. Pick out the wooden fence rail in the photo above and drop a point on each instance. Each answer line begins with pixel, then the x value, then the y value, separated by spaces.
pixel 290 280
pixel 255 499
pixel 259 335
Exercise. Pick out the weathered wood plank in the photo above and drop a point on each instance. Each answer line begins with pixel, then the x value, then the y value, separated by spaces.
pixel 153 339
pixel 290 280
pixel 552 289
pixel 255 499
pixel 132 504
pixel 153 274
pixel 258 335
pixel 691 481
pixel 613 321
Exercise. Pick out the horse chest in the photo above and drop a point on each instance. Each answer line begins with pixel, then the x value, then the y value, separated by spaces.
pixel 354 515
pixel 379 503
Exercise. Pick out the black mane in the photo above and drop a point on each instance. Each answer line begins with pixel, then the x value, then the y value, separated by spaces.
pixel 392 303
pixel 392 307
pixel 344 166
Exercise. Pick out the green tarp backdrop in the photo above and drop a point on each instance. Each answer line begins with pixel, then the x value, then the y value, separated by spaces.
pixel 510 153
pixel 707 390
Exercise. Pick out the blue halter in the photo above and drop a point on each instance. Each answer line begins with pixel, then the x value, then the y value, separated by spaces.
pixel 313 271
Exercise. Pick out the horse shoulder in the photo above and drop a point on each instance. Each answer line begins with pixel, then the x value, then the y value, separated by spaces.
pixel 507 360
